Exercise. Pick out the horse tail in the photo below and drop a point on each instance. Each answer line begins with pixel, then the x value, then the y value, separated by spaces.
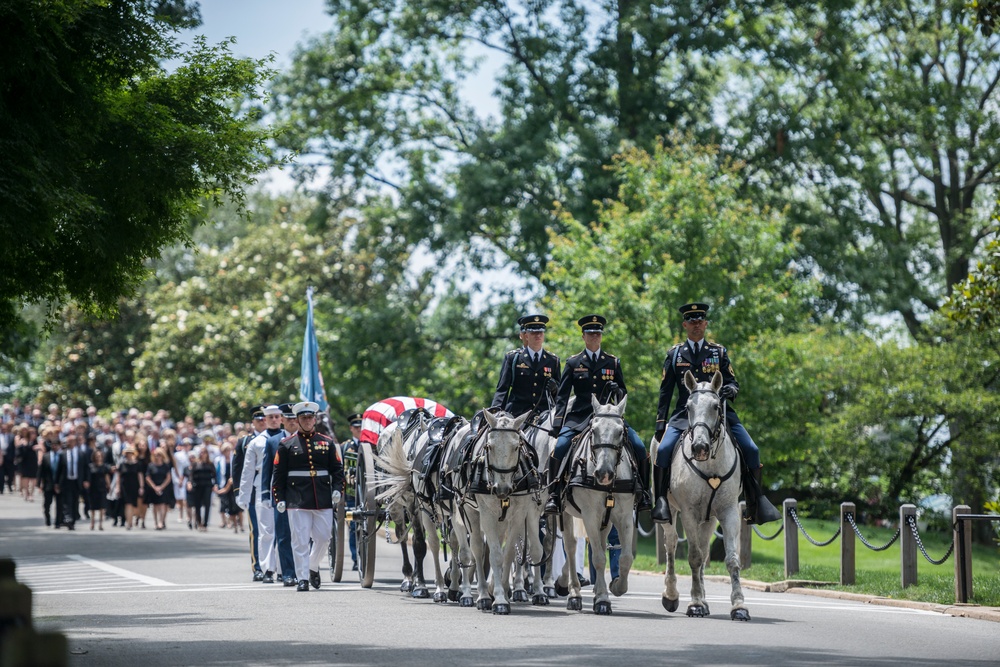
pixel 394 462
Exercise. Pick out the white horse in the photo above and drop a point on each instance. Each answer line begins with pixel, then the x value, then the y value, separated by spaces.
pixel 610 499
pixel 705 488
pixel 396 456
pixel 500 510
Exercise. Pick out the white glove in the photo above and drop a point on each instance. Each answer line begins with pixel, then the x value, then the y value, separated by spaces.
pixel 266 502
pixel 336 498
pixel 281 507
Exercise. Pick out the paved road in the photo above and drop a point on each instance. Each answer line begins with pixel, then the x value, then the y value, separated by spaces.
pixel 182 598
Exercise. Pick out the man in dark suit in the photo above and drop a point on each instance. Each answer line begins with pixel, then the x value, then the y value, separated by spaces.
pixel 703 358
pixel 588 374
pixel 7 456
pixel 76 462
pixel 526 371
pixel 50 473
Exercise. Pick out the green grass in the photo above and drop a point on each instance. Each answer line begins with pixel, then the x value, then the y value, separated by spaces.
pixel 877 573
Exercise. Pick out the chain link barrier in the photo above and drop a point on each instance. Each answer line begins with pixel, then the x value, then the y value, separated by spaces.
pixel 795 518
pixel 850 520
pixel 912 520
pixel 768 538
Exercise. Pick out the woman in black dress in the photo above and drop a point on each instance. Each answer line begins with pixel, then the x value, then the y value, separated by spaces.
pixel 143 458
pixel 200 487
pixel 160 487
pixel 26 457
pixel 130 483
pixel 100 480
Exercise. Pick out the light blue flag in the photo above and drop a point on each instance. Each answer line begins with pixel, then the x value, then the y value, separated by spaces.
pixel 311 388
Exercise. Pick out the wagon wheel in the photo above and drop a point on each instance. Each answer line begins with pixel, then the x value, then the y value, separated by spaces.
pixel 365 515
pixel 337 543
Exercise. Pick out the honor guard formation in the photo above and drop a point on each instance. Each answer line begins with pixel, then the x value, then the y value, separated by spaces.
pixel 285 472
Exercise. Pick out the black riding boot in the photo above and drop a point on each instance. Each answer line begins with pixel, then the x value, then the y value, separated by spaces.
pixel 759 508
pixel 554 503
pixel 661 484
pixel 643 503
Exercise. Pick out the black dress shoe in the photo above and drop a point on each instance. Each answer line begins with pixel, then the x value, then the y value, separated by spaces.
pixel 303 586
pixel 314 578
pixel 258 575
pixel 288 581
pixel 268 577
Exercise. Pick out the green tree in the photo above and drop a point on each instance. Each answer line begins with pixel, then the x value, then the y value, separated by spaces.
pixel 679 231
pixel 976 302
pixel 106 153
pixel 377 102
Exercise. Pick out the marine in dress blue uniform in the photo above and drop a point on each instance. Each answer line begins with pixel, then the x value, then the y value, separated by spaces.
pixel 308 481
pixel 588 374
pixel 527 370
pixel 703 358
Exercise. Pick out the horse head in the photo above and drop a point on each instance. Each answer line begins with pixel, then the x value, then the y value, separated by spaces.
pixel 503 451
pixel 608 429
pixel 704 409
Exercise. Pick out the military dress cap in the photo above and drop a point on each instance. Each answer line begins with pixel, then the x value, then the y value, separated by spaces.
pixel 257 412
pixel 533 322
pixel 305 408
pixel 272 410
pixel 592 323
pixel 354 419
pixel 286 410
pixel 694 311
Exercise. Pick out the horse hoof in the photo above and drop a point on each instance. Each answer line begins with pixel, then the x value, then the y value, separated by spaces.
pixel 562 591
pixel 540 600
pixel 466 602
pixel 501 609
pixel 618 587
pixel 441 597
pixel 574 604
pixel 739 615
pixel 520 596
pixel 421 593
pixel 669 605
pixel 602 608
pixel 697 611
pixel 406 587
pixel 484 604
pixel 550 592
pixel 454 596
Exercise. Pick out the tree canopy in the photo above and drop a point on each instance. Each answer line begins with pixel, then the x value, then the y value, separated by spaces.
pixel 106 152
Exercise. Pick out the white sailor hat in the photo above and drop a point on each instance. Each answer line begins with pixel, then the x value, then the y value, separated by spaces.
pixel 305 408
pixel 272 410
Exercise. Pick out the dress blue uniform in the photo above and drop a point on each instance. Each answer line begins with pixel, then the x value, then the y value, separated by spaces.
pixel 588 374
pixel 703 358
pixel 524 373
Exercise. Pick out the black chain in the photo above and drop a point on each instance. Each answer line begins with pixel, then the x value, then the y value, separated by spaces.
pixel 912 520
pixel 850 520
pixel 795 517
pixel 767 538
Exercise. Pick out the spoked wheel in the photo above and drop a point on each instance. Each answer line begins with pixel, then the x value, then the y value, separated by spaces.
pixel 337 543
pixel 365 515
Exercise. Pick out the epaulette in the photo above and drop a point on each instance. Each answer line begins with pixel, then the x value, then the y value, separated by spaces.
pixel 516 350
pixel 321 436
pixel 284 440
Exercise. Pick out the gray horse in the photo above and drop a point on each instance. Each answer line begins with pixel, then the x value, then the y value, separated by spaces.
pixel 705 488
pixel 606 460
pixel 500 511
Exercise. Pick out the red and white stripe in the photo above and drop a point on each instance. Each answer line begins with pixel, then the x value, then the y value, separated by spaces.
pixel 381 414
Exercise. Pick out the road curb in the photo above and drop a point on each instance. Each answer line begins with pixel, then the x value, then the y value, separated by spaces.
pixel 815 588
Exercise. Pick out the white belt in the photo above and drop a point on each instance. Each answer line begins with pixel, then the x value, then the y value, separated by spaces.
pixel 307 473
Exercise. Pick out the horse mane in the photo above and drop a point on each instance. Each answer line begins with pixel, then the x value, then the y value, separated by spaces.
pixel 393 461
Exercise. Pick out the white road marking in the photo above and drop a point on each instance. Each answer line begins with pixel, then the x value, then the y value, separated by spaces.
pixel 128 574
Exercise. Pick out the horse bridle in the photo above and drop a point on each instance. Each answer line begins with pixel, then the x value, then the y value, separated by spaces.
pixel 713 434
pixel 715 482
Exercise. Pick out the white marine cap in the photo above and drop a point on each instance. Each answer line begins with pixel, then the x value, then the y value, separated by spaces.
pixel 305 407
